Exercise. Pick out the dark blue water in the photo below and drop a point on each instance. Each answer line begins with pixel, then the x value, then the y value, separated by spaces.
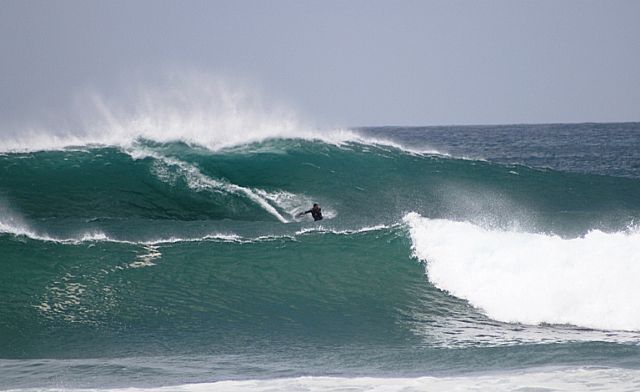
pixel 607 149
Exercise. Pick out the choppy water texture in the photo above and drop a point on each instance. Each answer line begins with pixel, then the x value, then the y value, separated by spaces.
pixel 478 257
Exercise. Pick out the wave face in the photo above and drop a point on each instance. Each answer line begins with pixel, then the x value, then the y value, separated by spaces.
pixel 62 194
pixel 195 258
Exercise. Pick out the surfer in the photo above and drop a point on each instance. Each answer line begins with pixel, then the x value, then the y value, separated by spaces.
pixel 316 212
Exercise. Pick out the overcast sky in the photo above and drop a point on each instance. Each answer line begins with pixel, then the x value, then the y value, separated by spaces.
pixel 350 63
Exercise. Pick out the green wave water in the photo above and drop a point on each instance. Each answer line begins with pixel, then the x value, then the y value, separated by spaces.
pixel 60 191
pixel 197 262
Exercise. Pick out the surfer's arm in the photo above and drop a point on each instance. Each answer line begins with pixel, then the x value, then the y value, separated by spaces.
pixel 303 213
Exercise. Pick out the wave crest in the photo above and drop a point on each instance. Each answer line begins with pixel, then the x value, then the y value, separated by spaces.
pixel 192 107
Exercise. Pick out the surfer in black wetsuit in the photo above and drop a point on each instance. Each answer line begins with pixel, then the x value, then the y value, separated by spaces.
pixel 316 212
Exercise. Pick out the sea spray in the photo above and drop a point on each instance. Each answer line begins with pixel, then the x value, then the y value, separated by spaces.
pixel 193 107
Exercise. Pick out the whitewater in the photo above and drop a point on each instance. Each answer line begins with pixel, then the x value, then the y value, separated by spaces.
pixel 157 246
pixel 584 281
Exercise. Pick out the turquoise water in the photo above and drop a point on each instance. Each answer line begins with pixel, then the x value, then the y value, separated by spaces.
pixel 444 253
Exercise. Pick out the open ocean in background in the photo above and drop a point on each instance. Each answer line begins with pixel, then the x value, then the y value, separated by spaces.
pixel 450 258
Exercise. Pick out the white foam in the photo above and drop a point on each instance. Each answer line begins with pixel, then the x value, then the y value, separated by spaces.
pixel 12 223
pixel 19 229
pixel 22 230
pixel 591 281
pixel 146 260
pixel 572 379
pixel 321 229
pixel 97 236
pixel 66 299
pixel 221 237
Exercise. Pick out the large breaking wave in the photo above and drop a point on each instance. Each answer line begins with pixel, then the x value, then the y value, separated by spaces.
pixel 521 245
pixel 180 212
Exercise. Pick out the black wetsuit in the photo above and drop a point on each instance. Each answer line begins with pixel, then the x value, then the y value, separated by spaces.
pixel 315 213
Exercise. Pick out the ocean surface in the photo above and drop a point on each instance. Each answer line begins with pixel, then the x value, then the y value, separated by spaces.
pixel 450 258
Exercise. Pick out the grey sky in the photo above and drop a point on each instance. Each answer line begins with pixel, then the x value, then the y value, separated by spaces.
pixel 341 62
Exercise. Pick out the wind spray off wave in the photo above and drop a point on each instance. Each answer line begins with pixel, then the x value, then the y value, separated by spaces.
pixel 192 107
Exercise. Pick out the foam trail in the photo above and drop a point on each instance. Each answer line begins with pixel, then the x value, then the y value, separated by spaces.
pixel 196 180
pixel 11 223
pixel 257 199
pixel 366 229
pixel 24 230
pixel 590 281
pixel 98 236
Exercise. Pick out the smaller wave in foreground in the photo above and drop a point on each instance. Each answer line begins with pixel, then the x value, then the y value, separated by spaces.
pixel 574 379
pixel 591 281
